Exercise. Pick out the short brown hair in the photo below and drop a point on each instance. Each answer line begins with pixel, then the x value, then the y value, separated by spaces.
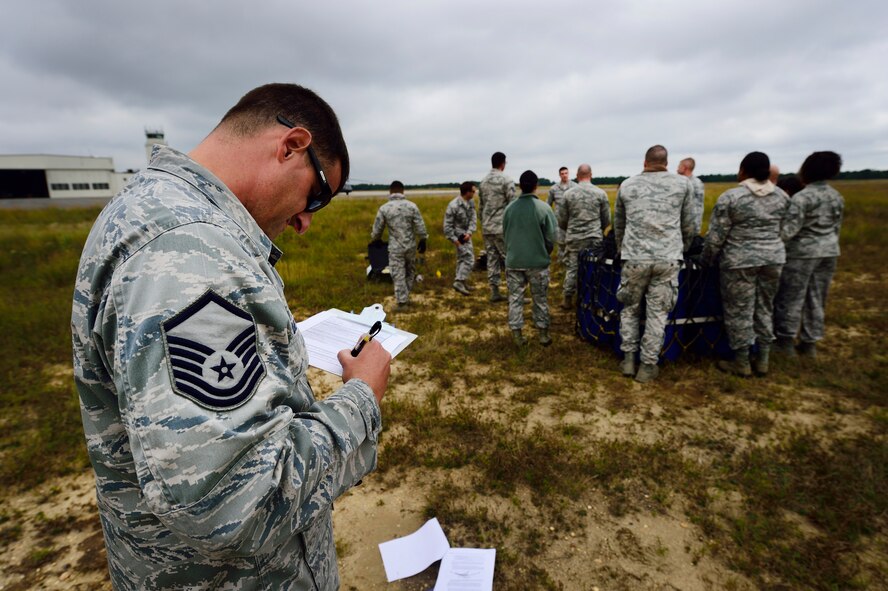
pixel 656 155
pixel 259 108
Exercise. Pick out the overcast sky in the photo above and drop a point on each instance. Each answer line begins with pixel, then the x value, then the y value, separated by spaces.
pixel 427 90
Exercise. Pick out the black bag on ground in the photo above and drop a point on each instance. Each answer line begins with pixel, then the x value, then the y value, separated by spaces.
pixel 377 254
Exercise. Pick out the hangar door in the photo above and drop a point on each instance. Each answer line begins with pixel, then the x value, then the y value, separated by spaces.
pixel 18 184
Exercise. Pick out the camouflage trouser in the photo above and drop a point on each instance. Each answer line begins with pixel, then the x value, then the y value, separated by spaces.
pixel 656 284
pixel 465 260
pixel 402 266
pixel 748 301
pixel 801 298
pixel 572 262
pixel 559 241
pixel 496 258
pixel 538 279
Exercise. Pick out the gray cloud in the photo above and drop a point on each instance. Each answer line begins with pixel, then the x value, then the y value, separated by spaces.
pixel 426 91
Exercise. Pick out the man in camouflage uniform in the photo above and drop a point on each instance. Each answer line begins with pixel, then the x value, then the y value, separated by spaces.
pixel 811 231
pixel 404 224
pixel 653 225
pixel 556 193
pixel 686 168
pixel 582 217
pixel 215 465
pixel 529 235
pixel 459 225
pixel 744 230
pixel 496 192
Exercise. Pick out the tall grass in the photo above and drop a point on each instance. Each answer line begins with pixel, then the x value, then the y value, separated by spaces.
pixel 473 411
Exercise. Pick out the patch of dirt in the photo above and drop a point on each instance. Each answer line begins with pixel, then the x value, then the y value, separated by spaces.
pixel 61 544
pixel 606 539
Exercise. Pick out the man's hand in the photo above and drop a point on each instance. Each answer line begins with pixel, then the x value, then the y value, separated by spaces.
pixel 422 246
pixel 373 365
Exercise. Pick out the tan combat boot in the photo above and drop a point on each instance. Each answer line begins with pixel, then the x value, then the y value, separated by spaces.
pixel 739 366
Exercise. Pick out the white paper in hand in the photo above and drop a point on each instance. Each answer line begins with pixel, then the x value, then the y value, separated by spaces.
pixel 412 554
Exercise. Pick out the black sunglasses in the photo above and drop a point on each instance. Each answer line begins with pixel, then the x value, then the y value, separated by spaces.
pixel 320 200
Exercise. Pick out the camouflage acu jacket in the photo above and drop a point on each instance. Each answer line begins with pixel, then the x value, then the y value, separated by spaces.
pixel 556 193
pixel 404 222
pixel 699 202
pixel 584 213
pixel 495 192
pixel 813 220
pixel 745 229
pixel 459 218
pixel 215 465
pixel 654 216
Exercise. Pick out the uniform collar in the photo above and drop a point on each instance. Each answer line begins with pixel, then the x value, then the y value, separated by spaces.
pixel 170 161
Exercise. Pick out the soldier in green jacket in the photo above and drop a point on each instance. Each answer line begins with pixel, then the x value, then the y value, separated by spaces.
pixel 529 236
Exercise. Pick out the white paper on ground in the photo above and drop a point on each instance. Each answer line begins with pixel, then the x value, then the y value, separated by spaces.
pixel 328 332
pixel 412 554
pixel 466 569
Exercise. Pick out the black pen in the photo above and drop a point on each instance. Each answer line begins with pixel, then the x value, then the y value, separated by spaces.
pixel 366 338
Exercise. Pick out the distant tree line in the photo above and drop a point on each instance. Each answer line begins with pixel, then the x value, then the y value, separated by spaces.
pixel 855 175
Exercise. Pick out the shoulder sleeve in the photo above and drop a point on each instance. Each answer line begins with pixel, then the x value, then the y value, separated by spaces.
pixel 793 218
pixel 232 451
pixel 419 223
pixel 378 225
pixel 719 228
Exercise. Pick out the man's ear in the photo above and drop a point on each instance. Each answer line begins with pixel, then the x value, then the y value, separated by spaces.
pixel 294 142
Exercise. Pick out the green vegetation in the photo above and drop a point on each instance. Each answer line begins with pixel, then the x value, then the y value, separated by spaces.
pixel 784 479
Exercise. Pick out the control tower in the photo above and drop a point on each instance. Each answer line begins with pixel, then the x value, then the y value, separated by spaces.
pixel 153 136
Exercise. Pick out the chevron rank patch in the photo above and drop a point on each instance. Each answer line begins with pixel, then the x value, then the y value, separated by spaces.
pixel 211 349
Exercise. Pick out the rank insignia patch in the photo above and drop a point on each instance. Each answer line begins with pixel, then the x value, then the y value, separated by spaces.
pixel 211 348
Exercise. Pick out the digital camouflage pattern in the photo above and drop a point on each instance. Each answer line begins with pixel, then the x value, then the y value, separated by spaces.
pixel 699 203
pixel 582 217
pixel 744 232
pixel 495 192
pixel 654 217
pixel 495 248
pixel 748 303
pixel 215 465
pixel 744 228
pixel 584 213
pixel 459 219
pixel 813 220
pixel 538 279
pixel 405 225
pixel 556 193
pixel 404 222
pixel 801 298
pixel 656 285
pixel 402 267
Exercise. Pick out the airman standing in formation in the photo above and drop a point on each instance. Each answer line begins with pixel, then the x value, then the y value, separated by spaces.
pixel 556 192
pixel 686 168
pixel 529 235
pixel 405 224
pixel 496 192
pixel 459 225
pixel 583 215
pixel 653 226
pixel 744 232
pixel 811 230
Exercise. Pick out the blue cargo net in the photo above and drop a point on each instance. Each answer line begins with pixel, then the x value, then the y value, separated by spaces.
pixel 694 325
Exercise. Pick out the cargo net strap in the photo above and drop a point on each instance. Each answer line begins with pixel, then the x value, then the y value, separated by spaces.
pixel 695 323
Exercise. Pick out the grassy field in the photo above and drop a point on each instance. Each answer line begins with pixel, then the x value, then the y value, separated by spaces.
pixel 782 482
